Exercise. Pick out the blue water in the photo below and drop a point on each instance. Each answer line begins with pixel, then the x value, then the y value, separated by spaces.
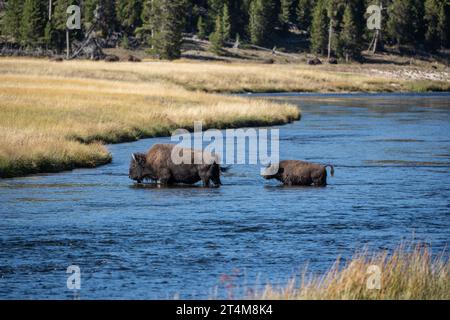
pixel 392 183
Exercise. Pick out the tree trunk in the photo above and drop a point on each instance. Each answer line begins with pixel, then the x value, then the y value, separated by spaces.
pixel 375 43
pixel 330 37
pixel 68 44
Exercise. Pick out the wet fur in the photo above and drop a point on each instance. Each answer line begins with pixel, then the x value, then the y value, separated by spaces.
pixel 301 173
pixel 157 165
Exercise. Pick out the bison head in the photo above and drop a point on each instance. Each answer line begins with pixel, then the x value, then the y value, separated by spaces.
pixel 272 172
pixel 137 167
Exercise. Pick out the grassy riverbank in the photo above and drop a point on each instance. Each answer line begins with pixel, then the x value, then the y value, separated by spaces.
pixel 55 117
pixel 412 274
pixel 241 77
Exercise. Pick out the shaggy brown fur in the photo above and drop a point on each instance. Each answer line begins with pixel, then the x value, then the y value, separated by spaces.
pixel 301 173
pixel 157 165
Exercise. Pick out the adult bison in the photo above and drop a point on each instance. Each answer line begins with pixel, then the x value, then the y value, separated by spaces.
pixel 300 173
pixel 158 165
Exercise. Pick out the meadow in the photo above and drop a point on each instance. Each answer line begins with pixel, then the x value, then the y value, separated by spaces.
pixel 238 77
pixel 407 273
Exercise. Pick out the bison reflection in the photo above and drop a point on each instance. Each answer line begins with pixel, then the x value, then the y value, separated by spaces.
pixel 300 173
pixel 157 165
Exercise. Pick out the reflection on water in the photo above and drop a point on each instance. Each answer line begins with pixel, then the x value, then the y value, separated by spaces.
pixel 392 158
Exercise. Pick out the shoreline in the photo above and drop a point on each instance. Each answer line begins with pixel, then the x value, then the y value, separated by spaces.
pixel 342 94
pixel 109 158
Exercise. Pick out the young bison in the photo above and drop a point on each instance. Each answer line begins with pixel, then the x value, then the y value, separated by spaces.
pixel 301 173
pixel 157 165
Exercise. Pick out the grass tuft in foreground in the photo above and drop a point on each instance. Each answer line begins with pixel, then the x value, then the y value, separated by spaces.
pixel 408 273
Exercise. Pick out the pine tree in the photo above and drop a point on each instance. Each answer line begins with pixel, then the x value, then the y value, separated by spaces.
pixel 214 9
pixel 405 21
pixel 106 15
pixel 285 17
pixel 436 28
pixel 201 28
pixel 12 21
pixel 304 14
pixel 261 25
pixel 432 10
pixel 350 37
pixel 33 22
pixel 444 25
pixel 163 26
pixel 256 29
pixel 55 31
pixel 56 27
pixel 419 25
pixel 50 35
pixel 360 18
pixel 405 24
pixel 145 31
pixel 226 22
pixel 128 13
pixel 217 37
pixel 88 8
pixel 59 16
pixel 319 28
pixel 335 10
pixel 240 10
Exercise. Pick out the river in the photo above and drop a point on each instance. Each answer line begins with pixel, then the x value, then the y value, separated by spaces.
pixel 392 183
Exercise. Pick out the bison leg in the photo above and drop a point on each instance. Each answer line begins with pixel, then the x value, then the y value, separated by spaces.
pixel 214 174
pixel 217 182
pixel 320 182
pixel 165 177
pixel 210 174
pixel 215 177
pixel 206 183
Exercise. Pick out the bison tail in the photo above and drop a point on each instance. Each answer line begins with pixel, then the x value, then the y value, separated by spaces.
pixel 332 169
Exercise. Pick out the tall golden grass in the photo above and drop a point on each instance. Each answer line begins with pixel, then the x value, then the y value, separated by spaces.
pixel 225 78
pixel 407 273
pixel 56 116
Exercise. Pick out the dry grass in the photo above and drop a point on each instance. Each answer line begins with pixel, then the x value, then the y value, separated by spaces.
pixel 406 274
pixel 231 78
pixel 55 116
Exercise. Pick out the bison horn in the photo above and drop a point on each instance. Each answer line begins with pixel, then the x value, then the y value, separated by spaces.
pixel 133 156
